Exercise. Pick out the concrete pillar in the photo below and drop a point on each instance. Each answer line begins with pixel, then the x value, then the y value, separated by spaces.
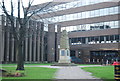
pixel 34 48
pixel 42 41
pixel 1 41
pixel 5 39
pixel 26 49
pixel 12 49
pixel 86 40
pixel 2 48
pixel 26 44
pixel 30 42
pixel 7 45
pixel 34 43
pixel 58 41
pixel 2 26
pixel 51 42
pixel 38 41
pixel 104 39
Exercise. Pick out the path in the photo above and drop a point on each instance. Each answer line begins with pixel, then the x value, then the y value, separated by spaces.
pixel 70 73
pixel 75 73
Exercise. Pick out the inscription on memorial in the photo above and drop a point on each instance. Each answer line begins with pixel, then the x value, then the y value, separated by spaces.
pixel 62 52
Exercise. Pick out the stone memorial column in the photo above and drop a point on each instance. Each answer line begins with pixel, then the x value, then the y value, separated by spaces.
pixel 64 52
pixel 64 55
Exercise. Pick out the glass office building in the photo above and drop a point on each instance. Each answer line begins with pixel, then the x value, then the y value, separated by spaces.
pixel 93 27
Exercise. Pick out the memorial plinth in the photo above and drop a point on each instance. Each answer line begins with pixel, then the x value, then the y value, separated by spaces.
pixel 64 53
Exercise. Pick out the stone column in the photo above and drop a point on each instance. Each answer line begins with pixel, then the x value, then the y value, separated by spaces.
pixel 58 42
pixel 7 39
pixel 42 41
pixel 86 40
pixel 1 41
pixel 38 41
pixel 12 49
pixel 30 41
pixel 51 43
pixel 26 48
pixel 2 38
pixel 64 56
pixel 104 39
pixel 34 43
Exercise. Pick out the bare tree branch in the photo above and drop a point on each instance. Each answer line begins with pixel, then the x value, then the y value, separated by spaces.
pixel 29 5
pixel 21 31
pixel 4 9
pixel 23 6
pixel 19 19
pixel 12 9
pixel 34 12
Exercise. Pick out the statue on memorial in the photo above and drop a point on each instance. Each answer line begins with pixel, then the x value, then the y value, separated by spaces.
pixel 64 55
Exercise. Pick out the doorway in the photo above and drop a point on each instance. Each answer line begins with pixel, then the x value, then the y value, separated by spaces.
pixel 72 53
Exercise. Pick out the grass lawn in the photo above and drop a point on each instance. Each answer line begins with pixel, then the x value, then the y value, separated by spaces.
pixel 33 73
pixel 104 72
pixel 25 64
pixel 31 64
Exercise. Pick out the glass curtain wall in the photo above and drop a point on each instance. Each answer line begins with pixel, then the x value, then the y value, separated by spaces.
pixel 95 40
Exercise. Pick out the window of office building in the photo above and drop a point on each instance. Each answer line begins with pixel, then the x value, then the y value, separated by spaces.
pixel 94 26
pixel 80 40
pixel 111 37
pixel 101 39
pixel 87 14
pixel 73 4
pixel 95 40
pixel 107 38
pixel 83 40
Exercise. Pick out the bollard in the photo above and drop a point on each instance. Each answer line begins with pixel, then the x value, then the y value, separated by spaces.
pixel 117 71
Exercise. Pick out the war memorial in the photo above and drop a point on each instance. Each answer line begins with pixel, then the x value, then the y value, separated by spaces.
pixel 93 33
pixel 71 40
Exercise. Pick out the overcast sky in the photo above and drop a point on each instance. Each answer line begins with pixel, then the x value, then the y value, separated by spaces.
pixel 38 1
pixel 7 3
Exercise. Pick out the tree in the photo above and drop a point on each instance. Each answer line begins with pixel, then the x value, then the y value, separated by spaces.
pixel 19 33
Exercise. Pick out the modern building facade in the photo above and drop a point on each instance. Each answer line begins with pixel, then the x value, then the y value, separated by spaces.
pixel 93 28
